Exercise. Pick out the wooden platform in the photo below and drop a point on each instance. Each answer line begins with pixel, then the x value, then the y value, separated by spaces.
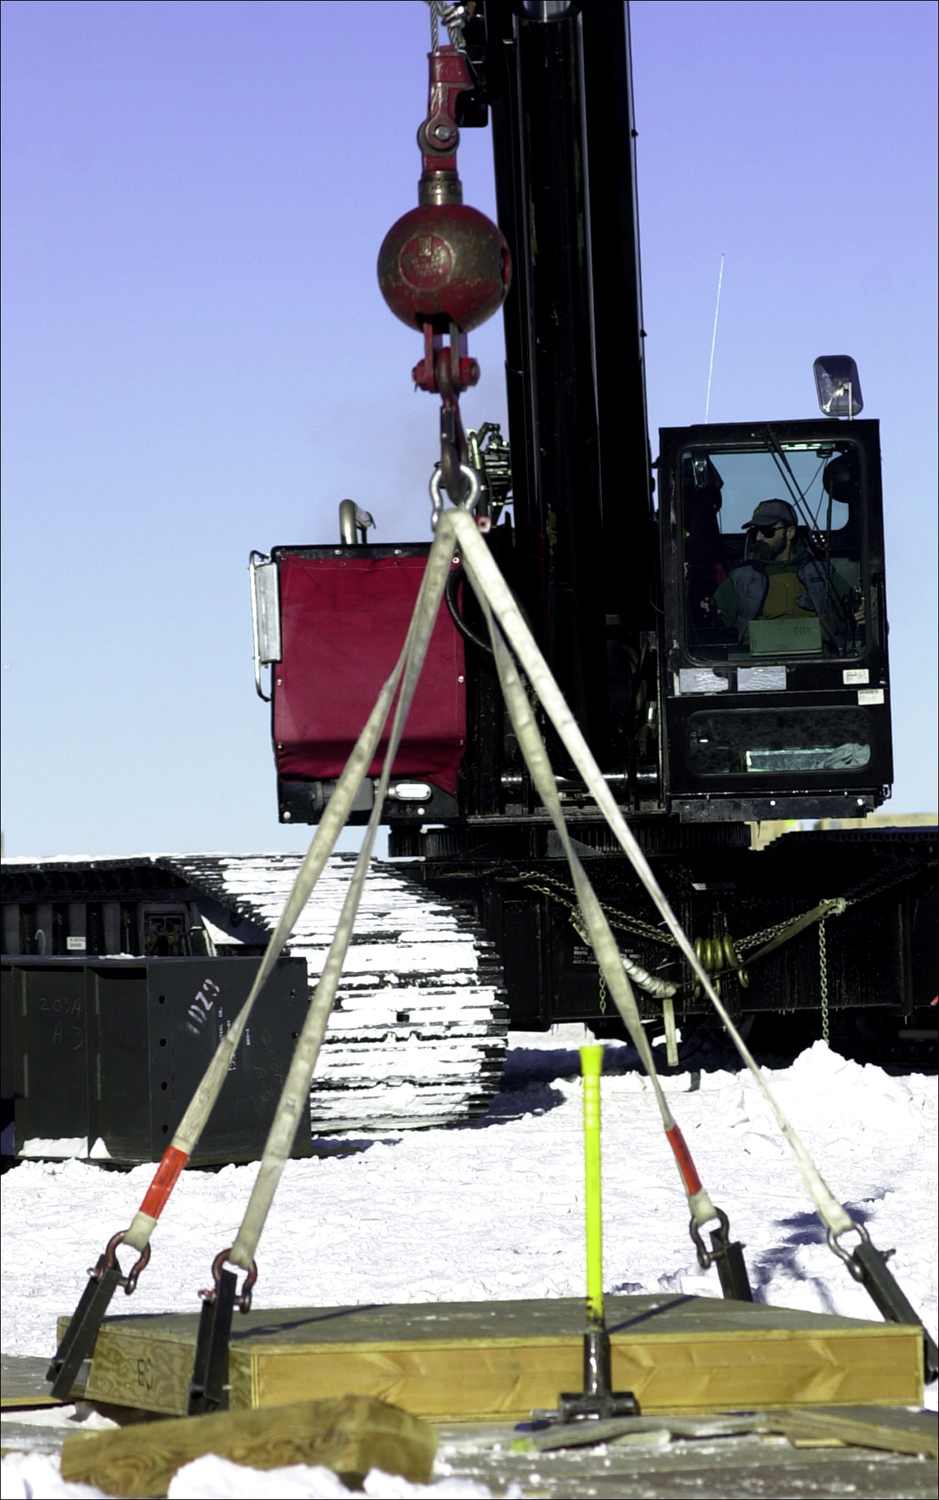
pixel 471 1361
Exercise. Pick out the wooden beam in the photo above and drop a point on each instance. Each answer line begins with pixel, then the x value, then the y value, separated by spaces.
pixel 891 1429
pixel 350 1436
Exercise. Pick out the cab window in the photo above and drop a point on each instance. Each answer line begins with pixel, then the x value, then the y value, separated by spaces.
pixel 772 551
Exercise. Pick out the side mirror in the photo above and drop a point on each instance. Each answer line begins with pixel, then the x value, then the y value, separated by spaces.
pixel 839 385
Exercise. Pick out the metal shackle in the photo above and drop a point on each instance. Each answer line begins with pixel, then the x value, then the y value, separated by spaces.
pixel 436 499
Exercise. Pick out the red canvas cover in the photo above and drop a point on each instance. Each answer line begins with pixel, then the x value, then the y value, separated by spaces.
pixel 343 623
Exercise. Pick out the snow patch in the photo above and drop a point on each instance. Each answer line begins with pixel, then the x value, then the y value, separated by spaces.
pixel 493 1210
pixel 212 1478
pixel 65 1146
pixel 37 1476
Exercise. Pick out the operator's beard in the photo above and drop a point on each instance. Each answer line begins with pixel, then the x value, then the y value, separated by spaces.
pixel 767 551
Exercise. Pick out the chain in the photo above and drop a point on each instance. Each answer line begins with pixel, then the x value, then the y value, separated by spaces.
pixel 557 891
pixel 823 976
pixel 875 885
pixel 652 983
pixel 616 918
pixel 757 939
pixel 639 928
pixel 894 875
pixel 577 921
pixel 547 886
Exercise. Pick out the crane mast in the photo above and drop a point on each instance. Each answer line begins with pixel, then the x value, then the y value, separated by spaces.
pixel 564 151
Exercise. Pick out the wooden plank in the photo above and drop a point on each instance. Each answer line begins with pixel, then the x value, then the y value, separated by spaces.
pixel 23 1383
pixel 438 1381
pixel 893 1430
pixel 349 1436
pixel 522 1321
pixel 669 1373
pixel 472 1361
pixel 771 1367
pixel 896 1431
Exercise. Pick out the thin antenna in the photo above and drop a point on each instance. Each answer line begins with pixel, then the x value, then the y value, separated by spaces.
pixel 720 281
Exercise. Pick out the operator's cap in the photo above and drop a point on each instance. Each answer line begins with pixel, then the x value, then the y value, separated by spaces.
pixel 774 510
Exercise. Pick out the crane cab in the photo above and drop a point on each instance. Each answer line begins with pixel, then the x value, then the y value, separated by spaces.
pixel 774 669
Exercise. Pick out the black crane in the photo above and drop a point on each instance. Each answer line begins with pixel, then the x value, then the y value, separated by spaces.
pixel 716 617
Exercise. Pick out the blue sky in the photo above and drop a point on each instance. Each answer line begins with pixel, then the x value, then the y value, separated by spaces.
pixel 197 360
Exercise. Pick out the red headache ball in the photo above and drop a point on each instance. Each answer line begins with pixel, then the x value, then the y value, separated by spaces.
pixel 444 263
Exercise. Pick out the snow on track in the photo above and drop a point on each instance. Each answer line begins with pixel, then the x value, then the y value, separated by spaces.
pixel 418 1031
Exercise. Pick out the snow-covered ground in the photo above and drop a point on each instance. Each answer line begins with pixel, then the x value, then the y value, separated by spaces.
pixel 36 1476
pixel 495 1209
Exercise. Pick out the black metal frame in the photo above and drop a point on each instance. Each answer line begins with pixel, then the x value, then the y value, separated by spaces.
pixel 110 1048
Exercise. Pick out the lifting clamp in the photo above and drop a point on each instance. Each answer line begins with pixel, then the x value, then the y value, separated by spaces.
pixel 78 1341
pixel 208 1388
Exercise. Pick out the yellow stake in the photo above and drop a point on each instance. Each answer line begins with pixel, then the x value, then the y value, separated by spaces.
pixel 591 1061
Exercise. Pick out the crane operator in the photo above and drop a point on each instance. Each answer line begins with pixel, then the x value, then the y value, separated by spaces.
pixel 781 579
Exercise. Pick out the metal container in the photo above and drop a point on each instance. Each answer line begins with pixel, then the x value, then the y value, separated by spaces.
pixel 108 1053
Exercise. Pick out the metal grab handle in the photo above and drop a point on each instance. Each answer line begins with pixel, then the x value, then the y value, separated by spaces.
pixel 264 602
pixel 347 532
pixel 252 574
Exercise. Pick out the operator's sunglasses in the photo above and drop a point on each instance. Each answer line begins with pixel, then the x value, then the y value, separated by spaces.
pixel 766 531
